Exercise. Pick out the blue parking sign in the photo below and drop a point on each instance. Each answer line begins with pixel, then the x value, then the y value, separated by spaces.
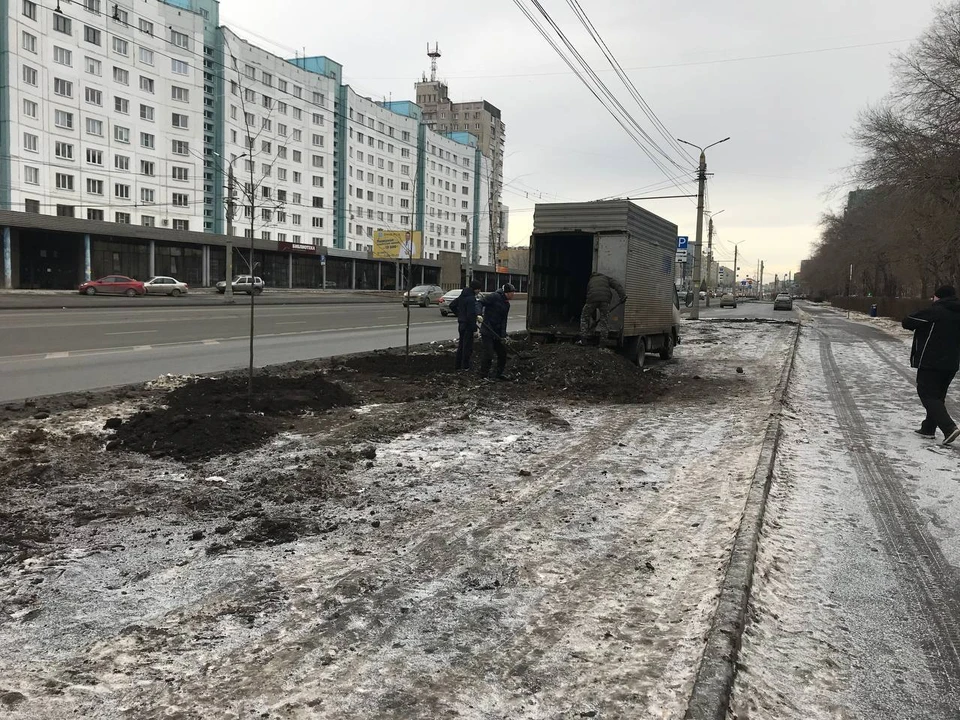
pixel 682 242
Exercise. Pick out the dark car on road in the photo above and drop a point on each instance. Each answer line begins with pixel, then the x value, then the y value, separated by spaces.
pixel 728 300
pixel 783 302
pixel 113 285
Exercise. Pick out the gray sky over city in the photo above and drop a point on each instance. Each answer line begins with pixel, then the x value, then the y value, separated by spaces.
pixel 784 80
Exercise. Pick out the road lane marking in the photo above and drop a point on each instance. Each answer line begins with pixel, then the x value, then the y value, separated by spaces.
pixel 132 332
pixel 293 322
pixel 55 355
pixel 210 342
pixel 143 347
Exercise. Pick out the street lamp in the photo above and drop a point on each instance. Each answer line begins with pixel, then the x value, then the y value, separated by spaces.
pixel 228 282
pixel 702 176
pixel 710 251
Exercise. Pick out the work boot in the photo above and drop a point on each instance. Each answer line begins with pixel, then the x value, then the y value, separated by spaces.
pixel 926 433
pixel 953 435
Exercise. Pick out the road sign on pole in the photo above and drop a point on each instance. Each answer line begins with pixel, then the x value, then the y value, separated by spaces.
pixel 683 242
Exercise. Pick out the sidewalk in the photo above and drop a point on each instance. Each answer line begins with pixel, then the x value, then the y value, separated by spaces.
pixel 50 299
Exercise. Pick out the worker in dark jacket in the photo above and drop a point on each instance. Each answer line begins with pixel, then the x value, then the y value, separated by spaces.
pixel 493 329
pixel 599 294
pixel 466 307
pixel 936 355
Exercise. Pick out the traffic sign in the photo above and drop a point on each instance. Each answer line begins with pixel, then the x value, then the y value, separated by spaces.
pixel 682 255
pixel 323 259
pixel 682 242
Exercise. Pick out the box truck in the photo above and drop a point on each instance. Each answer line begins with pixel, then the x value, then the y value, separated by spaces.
pixel 570 241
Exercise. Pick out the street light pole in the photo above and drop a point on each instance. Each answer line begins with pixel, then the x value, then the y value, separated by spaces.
pixel 710 254
pixel 231 208
pixel 702 182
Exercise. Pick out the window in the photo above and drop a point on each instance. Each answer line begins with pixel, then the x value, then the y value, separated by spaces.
pixel 148 195
pixel 30 108
pixel 296 135
pixel 281 173
pixel 267 101
pixel 147 220
pixel 267 78
pixel 181 199
pixel 266 146
pixel 122 217
pixel 62 56
pixel 30 9
pixel 93 96
pixel 63 88
pixel 61 23
pixel 92 5
pixel 95 187
pixel 121 162
pixel 121 191
pixel 281 107
pixel 181 173
pixel 31 175
pixel 63 119
pixel 146 113
pixel 181 94
pixel 146 27
pixel 265 169
pixel 318 201
pixel 297 91
pixel 181 224
pixel 91 35
pixel 180 39
pixel 297 155
pixel 146 84
pixel 121 105
pixel 92 66
pixel 179 121
pixel 121 134
pixel 266 124
pixel 266 214
pixel 181 147
pixel 249 119
pixel 121 76
pixel 297 114
pixel 148 168
pixel 64 182
pixel 146 56
pixel 94 127
pixel 282 152
pixel 65 210
pixel 179 67
pixel 120 15
pixel 146 140
pixel 282 130
pixel 295 219
pixel 296 179
pixel 94 157
pixel 29 75
pixel 121 46
pixel 29 42
pixel 318 222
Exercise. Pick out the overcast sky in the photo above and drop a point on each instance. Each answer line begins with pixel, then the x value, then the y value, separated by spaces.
pixel 696 63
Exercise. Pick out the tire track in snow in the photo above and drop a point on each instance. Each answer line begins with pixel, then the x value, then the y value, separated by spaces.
pixel 930 584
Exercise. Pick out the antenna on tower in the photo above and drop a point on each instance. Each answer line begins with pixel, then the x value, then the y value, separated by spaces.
pixel 433 55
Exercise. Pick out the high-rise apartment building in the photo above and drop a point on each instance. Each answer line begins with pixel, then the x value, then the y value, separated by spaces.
pixel 140 113
pixel 482 120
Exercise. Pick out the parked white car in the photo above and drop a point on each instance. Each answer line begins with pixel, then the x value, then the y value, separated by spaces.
pixel 162 285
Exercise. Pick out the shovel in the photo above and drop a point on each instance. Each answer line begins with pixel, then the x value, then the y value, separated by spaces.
pixel 605 315
pixel 506 343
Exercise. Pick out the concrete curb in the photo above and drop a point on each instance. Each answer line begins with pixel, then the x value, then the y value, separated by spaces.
pixel 710 699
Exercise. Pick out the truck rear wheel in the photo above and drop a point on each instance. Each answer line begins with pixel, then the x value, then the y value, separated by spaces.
pixel 666 351
pixel 635 350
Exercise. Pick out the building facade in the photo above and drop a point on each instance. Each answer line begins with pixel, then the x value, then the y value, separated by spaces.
pixel 153 114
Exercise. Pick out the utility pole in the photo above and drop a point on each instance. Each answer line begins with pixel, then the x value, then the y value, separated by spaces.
pixel 735 249
pixel 702 181
pixel 253 275
pixel 469 273
pixel 761 278
pixel 228 287
pixel 709 257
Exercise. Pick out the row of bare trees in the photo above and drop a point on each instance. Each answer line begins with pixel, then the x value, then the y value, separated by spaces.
pixel 902 235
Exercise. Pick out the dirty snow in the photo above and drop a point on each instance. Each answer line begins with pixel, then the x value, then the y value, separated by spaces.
pixel 508 566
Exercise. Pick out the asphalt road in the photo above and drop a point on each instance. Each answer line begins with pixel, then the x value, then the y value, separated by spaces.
pixel 53 351
pixel 751 310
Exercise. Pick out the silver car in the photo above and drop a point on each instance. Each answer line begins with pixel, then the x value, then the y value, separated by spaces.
pixel 162 285
pixel 423 295
pixel 445 301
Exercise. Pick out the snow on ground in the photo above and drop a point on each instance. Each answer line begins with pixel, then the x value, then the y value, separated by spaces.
pixel 832 631
pixel 499 564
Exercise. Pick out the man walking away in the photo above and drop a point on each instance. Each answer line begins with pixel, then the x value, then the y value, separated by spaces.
pixel 936 355
pixel 466 307
pixel 599 295
pixel 493 330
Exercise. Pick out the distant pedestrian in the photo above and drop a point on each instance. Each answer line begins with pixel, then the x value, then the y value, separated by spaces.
pixel 466 307
pixel 599 294
pixel 936 355
pixel 493 329
pixel 688 298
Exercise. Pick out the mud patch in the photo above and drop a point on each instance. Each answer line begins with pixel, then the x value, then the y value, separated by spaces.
pixel 213 416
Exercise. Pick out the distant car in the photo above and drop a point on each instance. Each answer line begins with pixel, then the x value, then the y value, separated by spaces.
pixel 444 302
pixel 328 284
pixel 162 285
pixel 423 295
pixel 242 284
pixel 728 300
pixel 783 302
pixel 113 285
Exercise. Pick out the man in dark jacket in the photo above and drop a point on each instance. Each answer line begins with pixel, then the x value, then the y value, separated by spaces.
pixel 493 329
pixel 466 307
pixel 599 294
pixel 936 355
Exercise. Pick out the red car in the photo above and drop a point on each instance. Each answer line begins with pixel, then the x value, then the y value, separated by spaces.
pixel 113 285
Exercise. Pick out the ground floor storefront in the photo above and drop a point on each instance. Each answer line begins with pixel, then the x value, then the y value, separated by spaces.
pixel 60 258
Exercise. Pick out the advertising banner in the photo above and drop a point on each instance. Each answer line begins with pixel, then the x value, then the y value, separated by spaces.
pixel 397 244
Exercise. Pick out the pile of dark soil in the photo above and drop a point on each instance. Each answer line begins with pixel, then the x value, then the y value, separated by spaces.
pixel 212 416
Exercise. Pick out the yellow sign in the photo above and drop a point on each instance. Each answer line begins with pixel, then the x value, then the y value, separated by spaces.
pixel 397 244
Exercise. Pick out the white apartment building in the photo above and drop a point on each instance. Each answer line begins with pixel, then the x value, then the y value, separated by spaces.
pixel 279 126
pixel 381 171
pixel 105 112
